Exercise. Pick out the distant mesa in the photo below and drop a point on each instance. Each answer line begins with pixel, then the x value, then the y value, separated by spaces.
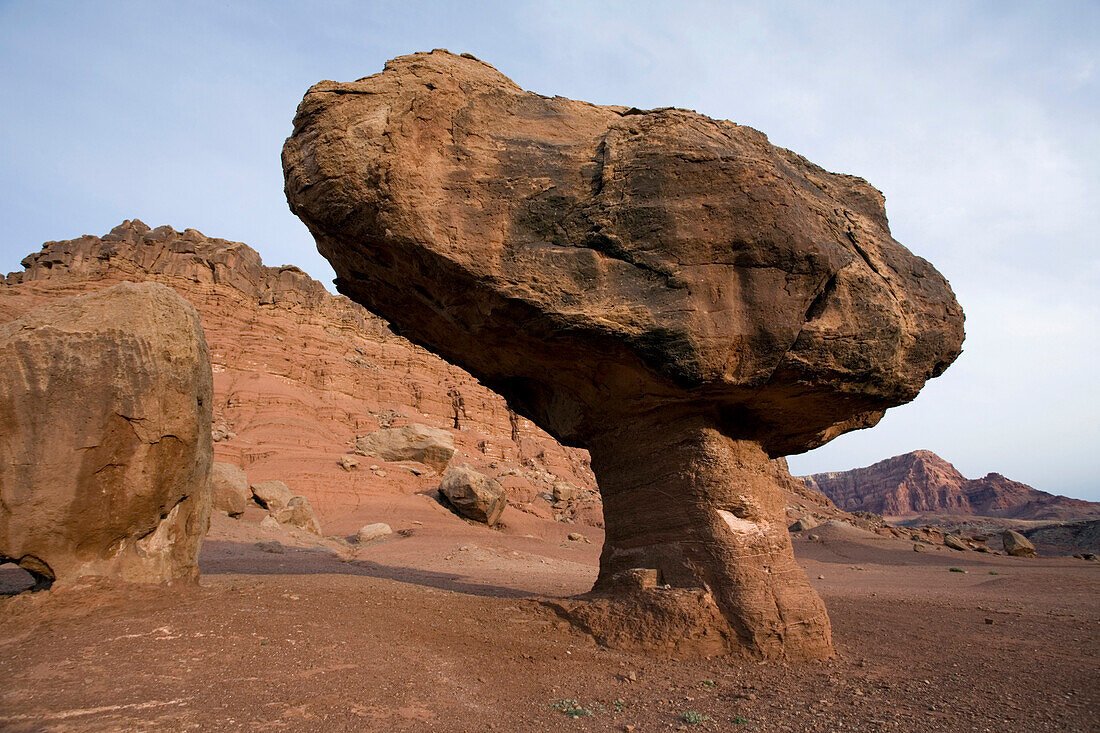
pixel 923 484
pixel 671 292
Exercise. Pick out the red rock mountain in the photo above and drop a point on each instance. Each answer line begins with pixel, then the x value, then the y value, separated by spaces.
pixel 923 483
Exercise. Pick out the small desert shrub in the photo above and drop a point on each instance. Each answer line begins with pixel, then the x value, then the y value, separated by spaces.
pixel 956 570
pixel 572 708
pixel 691 717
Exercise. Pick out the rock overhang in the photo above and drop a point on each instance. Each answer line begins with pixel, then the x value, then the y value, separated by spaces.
pixel 588 260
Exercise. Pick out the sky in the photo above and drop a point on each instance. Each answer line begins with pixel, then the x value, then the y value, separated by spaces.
pixel 980 122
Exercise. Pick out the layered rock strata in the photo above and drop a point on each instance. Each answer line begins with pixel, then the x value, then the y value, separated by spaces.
pixel 300 373
pixel 105 447
pixel 669 291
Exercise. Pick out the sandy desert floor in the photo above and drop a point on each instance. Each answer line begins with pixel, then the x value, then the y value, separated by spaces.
pixel 433 629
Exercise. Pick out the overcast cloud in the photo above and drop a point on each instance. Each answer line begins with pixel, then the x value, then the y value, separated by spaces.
pixel 979 121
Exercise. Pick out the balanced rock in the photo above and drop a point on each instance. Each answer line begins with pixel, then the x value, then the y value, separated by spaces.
pixel 430 446
pixel 370 532
pixel 229 487
pixel 272 495
pixel 671 292
pixel 473 495
pixel 298 513
pixel 1016 544
pixel 105 447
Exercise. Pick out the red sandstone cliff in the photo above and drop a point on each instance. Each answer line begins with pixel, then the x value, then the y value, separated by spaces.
pixel 922 483
pixel 299 372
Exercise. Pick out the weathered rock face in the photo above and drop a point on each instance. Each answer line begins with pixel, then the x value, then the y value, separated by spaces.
pixel 922 483
pixel 105 448
pixel 670 291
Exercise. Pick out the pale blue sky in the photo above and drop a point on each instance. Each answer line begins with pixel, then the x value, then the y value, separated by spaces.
pixel 980 121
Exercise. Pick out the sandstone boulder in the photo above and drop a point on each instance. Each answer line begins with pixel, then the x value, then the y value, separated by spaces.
pixel 473 495
pixel 563 491
pixel 671 292
pixel 298 513
pixel 955 542
pixel 1016 544
pixel 272 495
pixel 430 446
pixel 803 524
pixel 229 487
pixel 105 447
pixel 370 532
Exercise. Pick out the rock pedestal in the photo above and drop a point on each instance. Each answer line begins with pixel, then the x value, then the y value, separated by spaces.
pixel 671 292
pixel 706 511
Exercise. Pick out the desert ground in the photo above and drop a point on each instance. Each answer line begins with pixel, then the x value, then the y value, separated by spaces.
pixel 438 629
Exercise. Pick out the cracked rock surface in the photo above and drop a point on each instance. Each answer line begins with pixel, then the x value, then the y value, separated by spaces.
pixel 105 447
pixel 671 292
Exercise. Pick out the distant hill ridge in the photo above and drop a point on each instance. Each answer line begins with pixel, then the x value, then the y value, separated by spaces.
pixel 921 482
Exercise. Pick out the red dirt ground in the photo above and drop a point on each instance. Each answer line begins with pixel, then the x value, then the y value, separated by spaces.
pixel 440 629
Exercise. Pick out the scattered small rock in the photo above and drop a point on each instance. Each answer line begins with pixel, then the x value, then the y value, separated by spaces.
pixel 955 542
pixel 802 525
pixel 578 537
pixel 563 491
pixel 372 532
pixel 814 538
pixel 349 463
pixel 270 524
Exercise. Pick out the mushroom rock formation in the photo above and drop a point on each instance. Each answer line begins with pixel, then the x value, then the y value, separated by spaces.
pixel 105 447
pixel 671 292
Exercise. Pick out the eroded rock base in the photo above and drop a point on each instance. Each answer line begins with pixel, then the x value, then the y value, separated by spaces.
pixel 703 514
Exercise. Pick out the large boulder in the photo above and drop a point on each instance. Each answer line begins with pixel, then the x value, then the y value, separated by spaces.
pixel 422 443
pixel 105 448
pixel 473 495
pixel 1016 544
pixel 229 488
pixel 299 513
pixel 671 292
pixel 272 495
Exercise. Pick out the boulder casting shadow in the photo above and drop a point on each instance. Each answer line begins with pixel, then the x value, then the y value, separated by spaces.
pixel 671 292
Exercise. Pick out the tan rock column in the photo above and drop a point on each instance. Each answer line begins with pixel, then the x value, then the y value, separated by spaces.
pixel 706 511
